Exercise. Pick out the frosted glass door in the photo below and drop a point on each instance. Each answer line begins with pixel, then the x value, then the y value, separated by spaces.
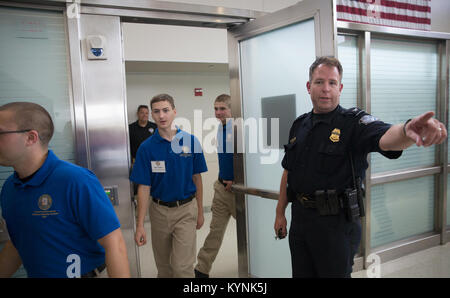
pixel 33 68
pixel 274 69
pixel 273 64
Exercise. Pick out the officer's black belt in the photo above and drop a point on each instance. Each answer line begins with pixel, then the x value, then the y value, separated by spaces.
pixel 309 201
pixel 173 203
pixel 221 181
pixel 94 272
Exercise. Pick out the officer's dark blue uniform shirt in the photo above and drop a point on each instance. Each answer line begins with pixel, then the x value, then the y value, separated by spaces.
pixel 317 155
pixel 168 166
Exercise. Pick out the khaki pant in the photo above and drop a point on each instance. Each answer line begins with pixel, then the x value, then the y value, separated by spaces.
pixel 174 238
pixel 223 206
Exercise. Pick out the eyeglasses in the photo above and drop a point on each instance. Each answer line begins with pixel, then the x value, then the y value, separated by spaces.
pixel 14 131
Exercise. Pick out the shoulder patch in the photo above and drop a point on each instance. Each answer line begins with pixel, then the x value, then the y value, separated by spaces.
pixel 354 111
pixel 366 119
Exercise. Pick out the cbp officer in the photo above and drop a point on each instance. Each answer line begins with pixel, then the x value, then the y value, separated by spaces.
pixel 169 166
pixel 324 162
pixel 140 130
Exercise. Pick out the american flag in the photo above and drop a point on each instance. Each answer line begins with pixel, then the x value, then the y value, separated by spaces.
pixel 411 14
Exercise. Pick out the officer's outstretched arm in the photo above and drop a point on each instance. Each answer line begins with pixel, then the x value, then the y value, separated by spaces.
pixel 280 219
pixel 422 130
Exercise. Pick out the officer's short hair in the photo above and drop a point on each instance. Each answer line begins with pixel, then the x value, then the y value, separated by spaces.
pixel 142 107
pixel 162 97
pixel 329 61
pixel 28 115
pixel 225 98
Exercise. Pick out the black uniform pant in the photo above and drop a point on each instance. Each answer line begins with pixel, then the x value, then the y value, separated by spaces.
pixel 322 246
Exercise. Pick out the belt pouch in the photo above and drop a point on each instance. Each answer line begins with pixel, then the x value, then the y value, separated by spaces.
pixel 321 202
pixel 333 202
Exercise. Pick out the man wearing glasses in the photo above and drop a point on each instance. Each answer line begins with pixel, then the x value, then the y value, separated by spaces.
pixel 59 219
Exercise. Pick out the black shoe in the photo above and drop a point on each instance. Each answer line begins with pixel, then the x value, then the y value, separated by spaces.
pixel 199 274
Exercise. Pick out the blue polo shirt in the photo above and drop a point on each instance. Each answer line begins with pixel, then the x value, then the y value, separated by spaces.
pixel 225 151
pixel 61 211
pixel 167 167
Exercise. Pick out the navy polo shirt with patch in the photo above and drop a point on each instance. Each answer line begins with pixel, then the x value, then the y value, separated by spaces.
pixel 57 216
pixel 167 167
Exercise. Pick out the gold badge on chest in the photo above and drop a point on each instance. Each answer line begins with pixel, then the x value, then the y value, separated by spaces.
pixel 335 134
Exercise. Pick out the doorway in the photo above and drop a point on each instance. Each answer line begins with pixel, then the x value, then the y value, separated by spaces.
pixel 194 74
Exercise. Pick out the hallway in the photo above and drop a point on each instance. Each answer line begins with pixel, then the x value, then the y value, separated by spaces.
pixel 430 263
pixel 226 264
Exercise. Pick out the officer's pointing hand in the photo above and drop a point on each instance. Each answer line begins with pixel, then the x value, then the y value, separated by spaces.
pixel 425 130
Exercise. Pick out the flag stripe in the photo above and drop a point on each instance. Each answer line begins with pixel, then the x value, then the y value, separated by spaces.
pixel 417 2
pixel 397 4
pixel 412 14
pixel 376 11
pixel 408 6
pixel 384 15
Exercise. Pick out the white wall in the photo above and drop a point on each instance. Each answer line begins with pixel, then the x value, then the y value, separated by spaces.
pixel 148 42
pixel 141 87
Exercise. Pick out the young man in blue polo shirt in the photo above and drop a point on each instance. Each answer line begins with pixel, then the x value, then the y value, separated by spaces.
pixel 223 205
pixel 168 166
pixel 59 219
